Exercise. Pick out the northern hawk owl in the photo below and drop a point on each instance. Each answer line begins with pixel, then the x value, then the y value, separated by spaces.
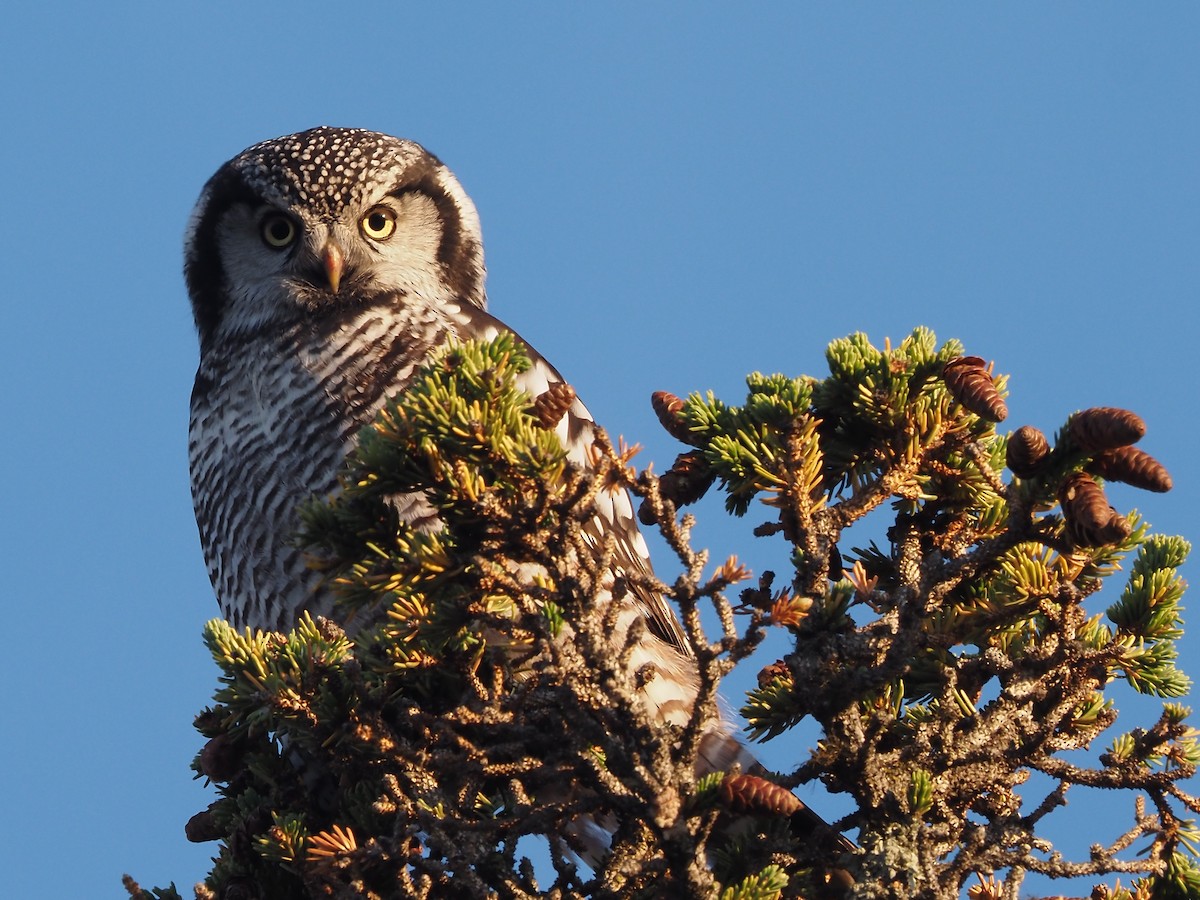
pixel 323 268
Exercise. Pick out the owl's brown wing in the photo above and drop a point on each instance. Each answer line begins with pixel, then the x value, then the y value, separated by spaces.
pixel 614 509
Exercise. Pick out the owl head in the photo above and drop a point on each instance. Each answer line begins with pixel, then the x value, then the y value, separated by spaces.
pixel 324 222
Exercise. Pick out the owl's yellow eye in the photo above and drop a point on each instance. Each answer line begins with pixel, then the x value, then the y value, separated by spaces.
pixel 278 231
pixel 379 224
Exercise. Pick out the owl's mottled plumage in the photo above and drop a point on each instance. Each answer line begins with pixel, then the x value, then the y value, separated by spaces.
pixel 323 267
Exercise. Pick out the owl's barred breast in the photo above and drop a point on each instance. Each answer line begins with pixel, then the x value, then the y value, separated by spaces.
pixel 272 420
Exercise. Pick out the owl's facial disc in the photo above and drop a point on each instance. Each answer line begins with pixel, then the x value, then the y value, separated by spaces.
pixel 258 251
pixel 389 246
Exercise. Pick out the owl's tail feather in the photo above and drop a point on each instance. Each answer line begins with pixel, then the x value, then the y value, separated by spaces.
pixel 721 751
pixel 669 697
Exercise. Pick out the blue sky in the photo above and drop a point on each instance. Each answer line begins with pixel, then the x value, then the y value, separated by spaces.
pixel 672 196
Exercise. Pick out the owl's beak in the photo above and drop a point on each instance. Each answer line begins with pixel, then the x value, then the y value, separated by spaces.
pixel 331 256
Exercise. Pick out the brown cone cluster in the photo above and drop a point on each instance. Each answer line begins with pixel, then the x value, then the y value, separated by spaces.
pixel 1105 433
pixel 757 796
pixel 1091 522
pixel 1026 453
pixel 970 384
pixel 552 404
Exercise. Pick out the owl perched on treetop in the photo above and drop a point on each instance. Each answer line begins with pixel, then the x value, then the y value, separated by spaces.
pixel 324 268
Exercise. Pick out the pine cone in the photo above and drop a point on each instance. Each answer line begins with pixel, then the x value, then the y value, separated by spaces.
pixel 1105 428
pixel 202 827
pixel 666 407
pixel 973 387
pixel 222 758
pixel 552 404
pixel 1132 466
pixel 684 483
pixel 1026 452
pixel 1091 522
pixel 687 479
pixel 751 794
pixel 777 669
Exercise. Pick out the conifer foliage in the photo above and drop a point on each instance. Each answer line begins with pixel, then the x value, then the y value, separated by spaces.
pixel 472 713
